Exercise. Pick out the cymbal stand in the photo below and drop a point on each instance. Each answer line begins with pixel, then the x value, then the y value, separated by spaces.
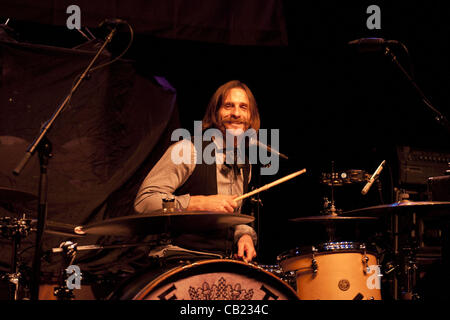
pixel 404 249
pixel 329 206
pixel 15 229
pixel 69 251
pixel 409 259
pixel 410 272
pixel 395 231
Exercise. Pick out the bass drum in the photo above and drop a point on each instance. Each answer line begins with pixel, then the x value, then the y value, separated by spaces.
pixel 215 279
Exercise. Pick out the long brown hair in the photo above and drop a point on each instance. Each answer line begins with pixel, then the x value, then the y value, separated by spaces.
pixel 211 119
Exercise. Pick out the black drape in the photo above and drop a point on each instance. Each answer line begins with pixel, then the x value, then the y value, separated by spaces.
pixel 237 22
pixel 106 140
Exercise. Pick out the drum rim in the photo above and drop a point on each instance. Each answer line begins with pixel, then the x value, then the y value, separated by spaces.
pixel 188 269
pixel 325 248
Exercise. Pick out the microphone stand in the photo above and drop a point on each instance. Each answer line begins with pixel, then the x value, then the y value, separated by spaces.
pixel 257 200
pixel 44 147
pixel 440 118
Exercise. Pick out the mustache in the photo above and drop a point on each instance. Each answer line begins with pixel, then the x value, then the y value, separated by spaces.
pixel 231 120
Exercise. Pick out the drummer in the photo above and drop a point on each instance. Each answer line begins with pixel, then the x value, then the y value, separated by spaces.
pixel 198 186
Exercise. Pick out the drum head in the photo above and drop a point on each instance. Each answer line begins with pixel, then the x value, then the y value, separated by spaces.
pixel 211 280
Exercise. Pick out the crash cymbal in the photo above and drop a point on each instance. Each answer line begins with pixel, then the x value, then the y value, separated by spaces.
pixel 160 222
pixel 331 218
pixel 9 195
pixel 428 207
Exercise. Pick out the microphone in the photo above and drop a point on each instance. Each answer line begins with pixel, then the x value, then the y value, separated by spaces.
pixel 373 178
pixel 254 141
pixel 111 22
pixel 371 44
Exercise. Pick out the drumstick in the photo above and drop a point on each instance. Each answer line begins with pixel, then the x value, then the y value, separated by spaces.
pixel 270 185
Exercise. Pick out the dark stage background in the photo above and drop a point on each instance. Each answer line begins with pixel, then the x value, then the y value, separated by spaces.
pixel 329 102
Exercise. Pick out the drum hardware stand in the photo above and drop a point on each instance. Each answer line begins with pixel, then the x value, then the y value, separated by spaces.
pixel 69 251
pixel 329 206
pixel 330 209
pixel 14 229
pixel 410 271
pixel 410 261
pixel 43 145
pixel 256 200
pixel 405 275
pixel 380 190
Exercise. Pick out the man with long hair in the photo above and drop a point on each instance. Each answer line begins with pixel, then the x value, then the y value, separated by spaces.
pixel 199 186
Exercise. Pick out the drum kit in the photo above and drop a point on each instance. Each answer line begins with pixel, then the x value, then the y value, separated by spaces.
pixel 386 266
pixel 336 269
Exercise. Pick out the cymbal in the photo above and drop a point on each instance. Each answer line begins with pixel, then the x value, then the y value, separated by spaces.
pixel 403 206
pixel 52 227
pixel 332 218
pixel 160 222
pixel 10 195
pixel 60 229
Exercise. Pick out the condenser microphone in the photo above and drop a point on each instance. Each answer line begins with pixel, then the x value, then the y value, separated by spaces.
pixel 373 178
pixel 111 22
pixel 371 44
pixel 254 141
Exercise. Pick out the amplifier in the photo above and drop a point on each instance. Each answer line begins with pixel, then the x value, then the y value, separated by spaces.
pixel 417 165
pixel 439 188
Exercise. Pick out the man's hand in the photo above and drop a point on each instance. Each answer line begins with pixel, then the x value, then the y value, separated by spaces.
pixel 246 249
pixel 217 203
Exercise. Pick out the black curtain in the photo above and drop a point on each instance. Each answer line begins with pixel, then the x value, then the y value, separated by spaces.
pixel 111 133
pixel 236 22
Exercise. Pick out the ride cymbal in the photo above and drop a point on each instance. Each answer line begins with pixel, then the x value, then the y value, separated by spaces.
pixel 428 207
pixel 161 222
pixel 331 218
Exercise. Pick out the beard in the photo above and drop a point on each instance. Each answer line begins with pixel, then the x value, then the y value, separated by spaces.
pixel 233 136
pixel 235 132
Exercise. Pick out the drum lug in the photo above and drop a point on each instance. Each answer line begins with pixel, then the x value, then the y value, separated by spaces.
pixel 313 260
pixel 365 260
pixel 314 265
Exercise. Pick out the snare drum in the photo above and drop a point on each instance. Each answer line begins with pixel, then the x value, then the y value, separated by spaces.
pixel 217 279
pixel 334 271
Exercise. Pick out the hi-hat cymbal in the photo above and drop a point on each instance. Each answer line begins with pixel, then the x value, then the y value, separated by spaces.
pixel 161 222
pixel 9 195
pixel 332 218
pixel 428 207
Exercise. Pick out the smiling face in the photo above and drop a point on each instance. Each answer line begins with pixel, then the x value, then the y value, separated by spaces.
pixel 234 113
pixel 232 107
